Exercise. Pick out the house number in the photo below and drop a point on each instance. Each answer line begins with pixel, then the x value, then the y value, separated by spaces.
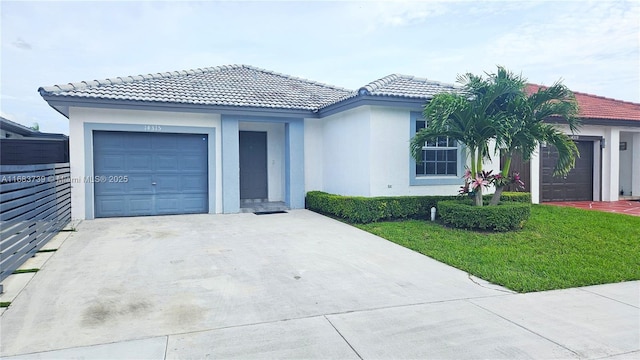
pixel 152 128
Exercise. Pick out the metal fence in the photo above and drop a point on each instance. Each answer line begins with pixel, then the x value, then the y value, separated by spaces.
pixel 35 204
pixel 31 151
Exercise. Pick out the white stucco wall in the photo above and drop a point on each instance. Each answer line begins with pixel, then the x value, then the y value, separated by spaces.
pixel 346 152
pixel 275 155
pixel 626 163
pixel 619 168
pixel 79 116
pixel 365 152
pixel 635 150
pixel 390 156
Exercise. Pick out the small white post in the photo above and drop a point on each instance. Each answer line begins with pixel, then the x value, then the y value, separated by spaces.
pixel 433 213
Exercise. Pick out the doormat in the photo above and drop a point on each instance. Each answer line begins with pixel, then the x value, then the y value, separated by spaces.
pixel 270 212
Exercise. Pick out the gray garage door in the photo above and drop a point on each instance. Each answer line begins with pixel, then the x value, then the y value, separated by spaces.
pixel 149 173
pixel 577 185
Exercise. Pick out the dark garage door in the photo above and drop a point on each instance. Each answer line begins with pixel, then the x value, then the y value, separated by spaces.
pixel 149 173
pixel 578 185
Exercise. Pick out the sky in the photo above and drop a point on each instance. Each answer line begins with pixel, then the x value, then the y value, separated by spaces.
pixel 593 47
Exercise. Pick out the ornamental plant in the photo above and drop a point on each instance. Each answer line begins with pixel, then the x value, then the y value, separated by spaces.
pixel 485 179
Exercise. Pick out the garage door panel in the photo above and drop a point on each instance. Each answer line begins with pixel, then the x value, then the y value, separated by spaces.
pixel 110 188
pixel 577 185
pixel 108 143
pixel 165 143
pixel 190 162
pixel 138 163
pixel 137 141
pixel 183 203
pixel 168 162
pixel 193 183
pixel 111 206
pixel 167 183
pixel 139 205
pixel 167 173
pixel 193 203
pixel 168 204
pixel 139 184
pixel 110 163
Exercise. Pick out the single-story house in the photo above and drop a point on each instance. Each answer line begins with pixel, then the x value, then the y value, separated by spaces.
pixel 609 163
pixel 225 139
pixel 20 145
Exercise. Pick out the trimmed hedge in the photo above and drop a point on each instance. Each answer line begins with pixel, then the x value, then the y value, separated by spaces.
pixel 358 209
pixel 506 216
pixel 522 197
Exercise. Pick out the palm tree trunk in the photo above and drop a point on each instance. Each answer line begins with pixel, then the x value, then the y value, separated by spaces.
pixel 478 199
pixel 495 199
pixel 472 152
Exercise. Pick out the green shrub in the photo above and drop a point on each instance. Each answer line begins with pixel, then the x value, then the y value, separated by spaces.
pixel 358 209
pixel 523 197
pixel 506 216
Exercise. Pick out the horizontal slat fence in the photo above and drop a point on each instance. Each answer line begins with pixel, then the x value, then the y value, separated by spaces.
pixel 35 204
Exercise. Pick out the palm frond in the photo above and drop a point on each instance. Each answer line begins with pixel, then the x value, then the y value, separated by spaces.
pixel 567 151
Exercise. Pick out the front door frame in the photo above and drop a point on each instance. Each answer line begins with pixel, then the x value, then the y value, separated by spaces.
pixel 294 160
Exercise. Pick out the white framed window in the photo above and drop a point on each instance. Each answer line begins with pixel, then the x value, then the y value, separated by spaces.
pixel 441 162
pixel 439 157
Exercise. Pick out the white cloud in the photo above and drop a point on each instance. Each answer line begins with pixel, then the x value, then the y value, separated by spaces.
pixel 378 15
pixel 580 42
pixel 21 44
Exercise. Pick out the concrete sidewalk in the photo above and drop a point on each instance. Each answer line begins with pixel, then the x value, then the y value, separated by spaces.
pixel 296 285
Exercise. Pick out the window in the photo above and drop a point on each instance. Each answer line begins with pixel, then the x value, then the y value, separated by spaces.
pixel 439 157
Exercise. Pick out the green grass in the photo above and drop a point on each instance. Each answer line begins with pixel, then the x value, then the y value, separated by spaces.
pixel 4 304
pixel 559 247
pixel 25 271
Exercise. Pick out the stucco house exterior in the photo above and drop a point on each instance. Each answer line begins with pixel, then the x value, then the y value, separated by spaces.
pixel 230 138
pixel 609 165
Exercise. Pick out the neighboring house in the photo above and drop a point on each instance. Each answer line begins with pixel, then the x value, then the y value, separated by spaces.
pixel 223 139
pixel 20 145
pixel 609 163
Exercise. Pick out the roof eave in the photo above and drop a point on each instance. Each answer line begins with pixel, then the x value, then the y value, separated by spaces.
pixel 600 121
pixel 62 105
pixel 412 103
pixel 8 125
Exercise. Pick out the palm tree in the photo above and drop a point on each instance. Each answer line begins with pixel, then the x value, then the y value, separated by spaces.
pixel 497 107
pixel 526 128
pixel 465 117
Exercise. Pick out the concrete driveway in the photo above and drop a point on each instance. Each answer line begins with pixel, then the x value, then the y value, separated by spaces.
pixel 295 285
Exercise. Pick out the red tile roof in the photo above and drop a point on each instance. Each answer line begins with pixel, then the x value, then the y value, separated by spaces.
pixel 599 107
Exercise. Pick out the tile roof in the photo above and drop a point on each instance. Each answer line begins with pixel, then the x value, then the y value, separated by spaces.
pixel 240 85
pixel 231 85
pixel 248 86
pixel 599 107
pixel 407 86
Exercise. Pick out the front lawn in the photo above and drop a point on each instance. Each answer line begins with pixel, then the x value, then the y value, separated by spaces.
pixel 559 247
